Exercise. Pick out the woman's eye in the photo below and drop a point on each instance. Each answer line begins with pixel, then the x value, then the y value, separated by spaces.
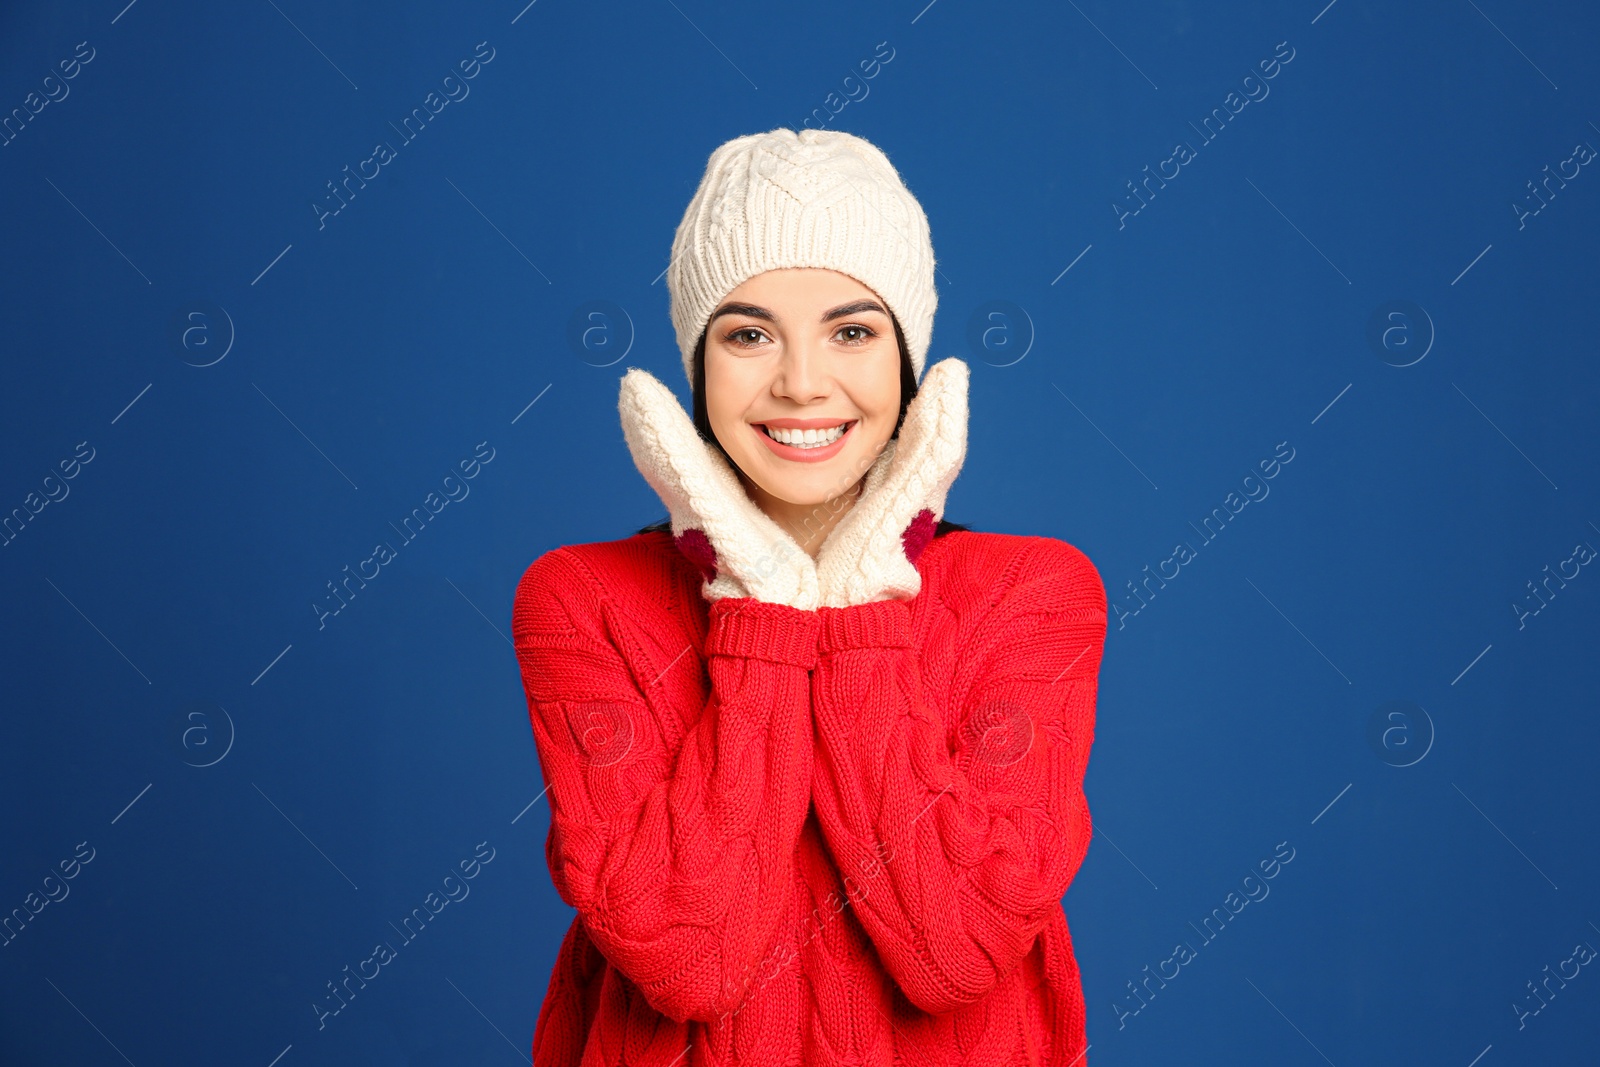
pixel 750 336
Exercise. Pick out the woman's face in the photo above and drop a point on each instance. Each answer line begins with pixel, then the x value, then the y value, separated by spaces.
pixel 802 349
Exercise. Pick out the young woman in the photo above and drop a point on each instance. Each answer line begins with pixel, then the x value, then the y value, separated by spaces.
pixel 815 756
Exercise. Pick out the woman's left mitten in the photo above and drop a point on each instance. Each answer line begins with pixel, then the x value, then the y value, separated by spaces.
pixel 872 553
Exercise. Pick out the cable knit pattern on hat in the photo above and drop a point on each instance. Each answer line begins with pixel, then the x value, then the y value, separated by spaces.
pixel 821 837
pixel 812 198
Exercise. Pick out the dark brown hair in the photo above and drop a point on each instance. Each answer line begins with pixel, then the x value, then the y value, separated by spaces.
pixel 702 421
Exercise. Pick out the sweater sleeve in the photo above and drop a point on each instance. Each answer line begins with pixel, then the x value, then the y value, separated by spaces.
pixel 677 852
pixel 959 849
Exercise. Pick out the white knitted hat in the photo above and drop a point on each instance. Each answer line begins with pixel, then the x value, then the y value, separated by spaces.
pixel 813 198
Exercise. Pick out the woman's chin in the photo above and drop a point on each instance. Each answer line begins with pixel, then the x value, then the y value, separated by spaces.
pixel 800 490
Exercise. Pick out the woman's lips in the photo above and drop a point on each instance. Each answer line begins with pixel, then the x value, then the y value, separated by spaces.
pixel 805 455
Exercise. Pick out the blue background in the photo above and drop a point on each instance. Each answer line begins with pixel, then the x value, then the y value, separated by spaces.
pixel 266 393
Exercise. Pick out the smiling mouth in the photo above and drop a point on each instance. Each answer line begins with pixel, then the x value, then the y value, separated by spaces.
pixel 806 439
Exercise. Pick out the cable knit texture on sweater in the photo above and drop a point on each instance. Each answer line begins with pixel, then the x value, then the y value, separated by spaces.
pixel 821 837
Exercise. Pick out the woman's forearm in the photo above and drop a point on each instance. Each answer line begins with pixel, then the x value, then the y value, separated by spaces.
pixel 678 855
pixel 959 856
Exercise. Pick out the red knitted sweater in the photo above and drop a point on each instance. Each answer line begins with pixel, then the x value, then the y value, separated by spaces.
pixel 813 837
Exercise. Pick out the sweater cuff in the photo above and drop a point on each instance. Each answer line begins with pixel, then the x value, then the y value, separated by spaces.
pixel 759 629
pixel 879 624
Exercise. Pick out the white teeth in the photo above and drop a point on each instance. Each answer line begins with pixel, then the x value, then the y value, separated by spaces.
pixel 807 438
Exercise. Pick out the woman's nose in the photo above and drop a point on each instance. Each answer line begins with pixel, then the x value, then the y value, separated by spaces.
pixel 801 373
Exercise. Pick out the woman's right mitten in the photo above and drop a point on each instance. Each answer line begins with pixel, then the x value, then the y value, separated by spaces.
pixel 740 551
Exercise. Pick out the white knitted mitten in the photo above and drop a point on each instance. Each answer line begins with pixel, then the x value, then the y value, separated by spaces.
pixel 871 554
pixel 740 551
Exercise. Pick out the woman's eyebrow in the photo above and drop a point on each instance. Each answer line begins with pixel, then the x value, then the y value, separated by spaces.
pixel 853 308
pixel 750 310
pixel 753 311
